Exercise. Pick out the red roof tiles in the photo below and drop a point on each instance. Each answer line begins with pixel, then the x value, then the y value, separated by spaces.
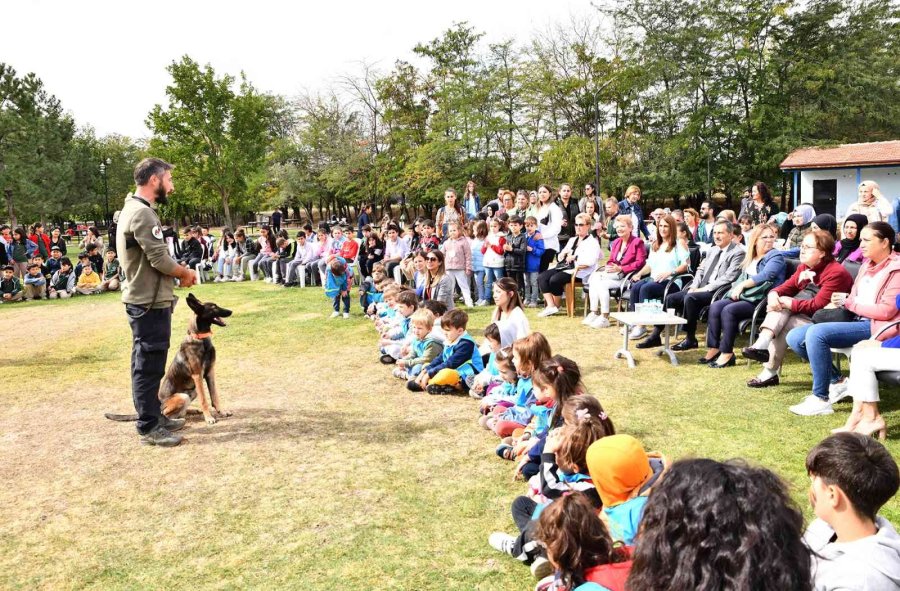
pixel 845 155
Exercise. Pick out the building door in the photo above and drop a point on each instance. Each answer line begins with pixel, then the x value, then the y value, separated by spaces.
pixel 825 196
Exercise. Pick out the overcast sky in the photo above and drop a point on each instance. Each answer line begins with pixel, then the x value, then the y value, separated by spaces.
pixel 106 60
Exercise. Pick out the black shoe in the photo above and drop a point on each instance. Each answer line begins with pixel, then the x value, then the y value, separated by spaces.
pixel 705 361
pixel 650 342
pixel 436 390
pixel 162 437
pixel 729 363
pixel 761 355
pixel 171 424
pixel 289 284
pixel 757 383
pixel 386 359
pixel 686 345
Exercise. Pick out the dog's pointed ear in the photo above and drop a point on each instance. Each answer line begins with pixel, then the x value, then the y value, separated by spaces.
pixel 194 303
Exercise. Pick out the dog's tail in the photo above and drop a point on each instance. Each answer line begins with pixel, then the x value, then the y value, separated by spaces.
pixel 123 418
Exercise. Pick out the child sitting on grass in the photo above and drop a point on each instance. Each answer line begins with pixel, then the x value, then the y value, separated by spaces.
pixel 423 349
pixel 623 474
pixel 496 339
pixel 10 286
pixel 338 281
pixel 563 472
pixel 853 547
pixel 52 265
pixel 460 358
pixel 580 549
pixel 89 280
pixel 62 284
pixel 111 272
pixel 527 353
pixel 395 336
pixel 35 284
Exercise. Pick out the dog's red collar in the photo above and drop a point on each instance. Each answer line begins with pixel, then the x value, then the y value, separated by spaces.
pixel 201 335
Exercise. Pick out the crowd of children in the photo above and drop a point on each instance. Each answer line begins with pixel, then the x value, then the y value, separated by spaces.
pixel 600 512
pixel 38 268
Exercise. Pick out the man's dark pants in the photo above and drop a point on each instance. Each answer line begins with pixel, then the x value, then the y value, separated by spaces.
pixel 690 303
pixel 151 334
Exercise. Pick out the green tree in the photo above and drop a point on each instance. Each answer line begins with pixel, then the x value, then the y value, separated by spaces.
pixel 35 139
pixel 215 135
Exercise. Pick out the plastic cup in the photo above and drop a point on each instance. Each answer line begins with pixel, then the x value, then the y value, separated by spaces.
pixel 670 311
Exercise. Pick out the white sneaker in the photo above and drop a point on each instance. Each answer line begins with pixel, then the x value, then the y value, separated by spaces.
pixel 346 314
pixel 502 542
pixel 811 406
pixel 589 319
pixel 335 314
pixel 548 311
pixel 600 322
pixel 838 390
pixel 238 278
pixel 268 280
pixel 541 568
pixel 217 280
pixel 637 332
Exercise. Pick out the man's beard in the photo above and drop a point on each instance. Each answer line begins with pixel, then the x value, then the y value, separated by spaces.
pixel 161 197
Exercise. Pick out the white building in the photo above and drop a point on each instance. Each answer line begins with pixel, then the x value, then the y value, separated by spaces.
pixel 828 178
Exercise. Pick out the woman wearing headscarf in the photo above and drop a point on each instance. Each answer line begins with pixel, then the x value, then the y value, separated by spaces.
pixel 825 221
pixel 847 249
pixel 802 218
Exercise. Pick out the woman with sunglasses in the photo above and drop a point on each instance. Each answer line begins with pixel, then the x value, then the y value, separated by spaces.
pixel 438 284
pixel 579 257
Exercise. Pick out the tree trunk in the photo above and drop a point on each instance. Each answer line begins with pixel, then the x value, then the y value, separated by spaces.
pixel 227 209
pixel 10 210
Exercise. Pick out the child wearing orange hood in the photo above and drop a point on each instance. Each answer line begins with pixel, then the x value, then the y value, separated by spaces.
pixel 623 474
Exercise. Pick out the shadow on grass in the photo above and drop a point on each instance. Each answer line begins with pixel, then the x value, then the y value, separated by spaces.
pixel 250 426
pixel 44 361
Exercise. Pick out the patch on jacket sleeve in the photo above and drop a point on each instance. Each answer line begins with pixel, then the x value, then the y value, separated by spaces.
pixel 157 232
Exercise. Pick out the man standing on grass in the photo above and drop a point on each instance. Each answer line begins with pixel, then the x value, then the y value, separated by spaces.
pixel 148 294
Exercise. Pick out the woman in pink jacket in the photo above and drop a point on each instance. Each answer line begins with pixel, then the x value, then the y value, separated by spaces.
pixel 627 254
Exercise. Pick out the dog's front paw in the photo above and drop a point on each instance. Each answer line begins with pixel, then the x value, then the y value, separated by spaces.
pixel 210 420
pixel 223 413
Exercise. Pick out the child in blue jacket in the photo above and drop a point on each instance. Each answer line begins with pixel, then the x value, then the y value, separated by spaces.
pixel 534 249
pixel 338 280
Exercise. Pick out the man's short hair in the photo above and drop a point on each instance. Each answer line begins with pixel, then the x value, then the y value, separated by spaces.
pixel 83 255
pixel 729 227
pixel 149 167
pixel 860 466
pixel 65 261
pixel 8 268
pixel 33 266
pixel 516 220
pixel 455 318
pixel 301 234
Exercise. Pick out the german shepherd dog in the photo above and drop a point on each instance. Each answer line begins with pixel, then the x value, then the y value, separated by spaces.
pixel 194 363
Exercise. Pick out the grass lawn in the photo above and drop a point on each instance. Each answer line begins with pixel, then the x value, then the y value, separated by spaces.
pixel 330 475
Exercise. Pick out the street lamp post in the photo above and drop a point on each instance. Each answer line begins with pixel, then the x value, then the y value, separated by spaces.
pixel 596 100
pixel 103 165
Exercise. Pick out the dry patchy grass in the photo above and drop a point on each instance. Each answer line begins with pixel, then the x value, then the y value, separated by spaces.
pixel 329 475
